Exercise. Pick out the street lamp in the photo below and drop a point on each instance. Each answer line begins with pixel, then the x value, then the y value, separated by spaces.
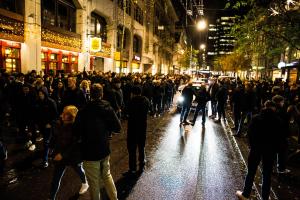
pixel 201 25
pixel 202 46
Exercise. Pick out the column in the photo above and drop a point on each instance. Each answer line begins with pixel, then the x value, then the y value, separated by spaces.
pixel 31 49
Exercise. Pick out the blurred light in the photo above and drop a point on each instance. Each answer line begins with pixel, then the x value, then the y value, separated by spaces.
pixel 180 99
pixel 202 46
pixel 201 25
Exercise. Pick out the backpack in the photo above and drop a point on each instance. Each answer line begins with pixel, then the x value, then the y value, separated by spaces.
pixel 3 151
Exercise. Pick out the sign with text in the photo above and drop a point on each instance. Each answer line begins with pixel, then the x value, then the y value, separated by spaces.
pixel 95 44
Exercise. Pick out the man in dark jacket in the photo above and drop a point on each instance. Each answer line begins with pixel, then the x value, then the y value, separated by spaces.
pixel 187 94
pixel 73 95
pixel 93 125
pixel 264 136
pixel 137 127
pixel 221 97
pixel 202 98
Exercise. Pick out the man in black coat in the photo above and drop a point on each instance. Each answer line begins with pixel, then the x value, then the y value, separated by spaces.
pixel 188 95
pixel 93 124
pixel 137 127
pixel 202 97
pixel 264 137
pixel 221 97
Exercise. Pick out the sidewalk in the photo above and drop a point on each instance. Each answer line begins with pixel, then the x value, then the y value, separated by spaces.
pixel 284 186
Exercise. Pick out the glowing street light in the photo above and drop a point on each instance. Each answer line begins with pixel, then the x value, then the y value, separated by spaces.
pixel 203 46
pixel 201 25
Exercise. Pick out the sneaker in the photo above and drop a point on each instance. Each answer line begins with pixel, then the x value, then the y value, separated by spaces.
pixel 28 144
pixel 44 164
pixel 286 171
pixel 39 139
pixel 32 147
pixel 84 188
pixel 240 195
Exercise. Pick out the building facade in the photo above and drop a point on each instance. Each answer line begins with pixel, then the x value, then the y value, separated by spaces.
pixel 220 41
pixel 74 35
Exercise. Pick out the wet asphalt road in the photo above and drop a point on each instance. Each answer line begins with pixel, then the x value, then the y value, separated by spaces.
pixel 182 163
pixel 191 163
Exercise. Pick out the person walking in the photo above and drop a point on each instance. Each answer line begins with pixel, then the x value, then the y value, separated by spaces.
pixel 93 125
pixel 202 97
pixel 264 137
pixel 45 115
pixel 137 128
pixel 221 97
pixel 188 95
pixel 66 151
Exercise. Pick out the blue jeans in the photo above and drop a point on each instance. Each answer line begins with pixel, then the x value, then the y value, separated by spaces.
pixel 203 110
pixel 59 171
pixel 185 112
pixel 47 133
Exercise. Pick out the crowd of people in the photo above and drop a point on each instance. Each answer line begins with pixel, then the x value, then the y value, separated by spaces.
pixel 70 112
pixel 90 103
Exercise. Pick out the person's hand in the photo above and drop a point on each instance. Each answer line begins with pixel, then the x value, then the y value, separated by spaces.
pixel 58 157
pixel 48 125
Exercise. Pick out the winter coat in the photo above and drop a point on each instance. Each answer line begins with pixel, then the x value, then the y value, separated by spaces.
pixel 45 111
pixel 202 97
pixel 188 94
pixel 74 97
pixel 265 131
pixel 93 126
pixel 138 108
pixel 65 143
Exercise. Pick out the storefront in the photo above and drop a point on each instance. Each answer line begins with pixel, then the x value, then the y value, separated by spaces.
pixel 54 60
pixel 121 62
pixel 101 60
pixel 10 57
pixel 135 64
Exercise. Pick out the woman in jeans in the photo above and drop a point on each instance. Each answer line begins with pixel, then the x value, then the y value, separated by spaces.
pixel 66 151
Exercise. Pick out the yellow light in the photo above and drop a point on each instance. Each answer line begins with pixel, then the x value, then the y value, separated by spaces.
pixel 201 25
pixel 7 51
pixel 202 46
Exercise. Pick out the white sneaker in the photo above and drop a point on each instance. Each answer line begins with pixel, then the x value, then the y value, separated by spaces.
pixel 32 147
pixel 28 144
pixel 84 188
pixel 286 171
pixel 240 195
pixel 38 139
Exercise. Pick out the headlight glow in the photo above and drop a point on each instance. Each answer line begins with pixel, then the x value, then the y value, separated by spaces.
pixel 180 99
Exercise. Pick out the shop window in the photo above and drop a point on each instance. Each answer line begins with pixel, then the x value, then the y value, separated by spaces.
pixel 11 59
pixel 59 13
pixel 99 26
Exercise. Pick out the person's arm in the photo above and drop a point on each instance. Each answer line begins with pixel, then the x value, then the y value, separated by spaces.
pixel 114 124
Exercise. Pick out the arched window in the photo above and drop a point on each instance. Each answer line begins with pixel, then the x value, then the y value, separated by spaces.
pixel 98 26
pixel 59 13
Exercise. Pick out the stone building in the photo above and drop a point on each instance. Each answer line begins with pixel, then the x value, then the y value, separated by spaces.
pixel 75 35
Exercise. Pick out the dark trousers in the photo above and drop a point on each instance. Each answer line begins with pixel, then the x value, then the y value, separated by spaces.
pixel 157 105
pixel 198 109
pixel 59 170
pixel 213 107
pixel 221 110
pixel 245 115
pixel 255 156
pixel 132 147
pixel 282 156
pixel 237 117
pixel 185 110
